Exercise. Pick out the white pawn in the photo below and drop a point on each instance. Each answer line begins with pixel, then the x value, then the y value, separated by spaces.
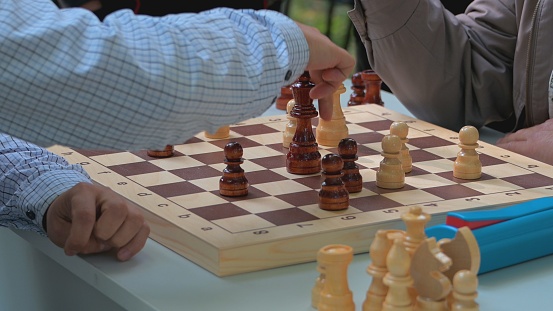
pixel 401 129
pixel 390 174
pixel 465 284
pixel 468 165
pixel 290 129
pixel 330 132
pixel 398 279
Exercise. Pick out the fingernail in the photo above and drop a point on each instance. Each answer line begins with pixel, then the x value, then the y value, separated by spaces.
pixel 124 255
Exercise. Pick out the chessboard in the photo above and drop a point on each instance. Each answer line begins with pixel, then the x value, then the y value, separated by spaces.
pixel 279 222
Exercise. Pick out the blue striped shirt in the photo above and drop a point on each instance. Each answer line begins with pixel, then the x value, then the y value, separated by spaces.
pixel 135 81
pixel 30 179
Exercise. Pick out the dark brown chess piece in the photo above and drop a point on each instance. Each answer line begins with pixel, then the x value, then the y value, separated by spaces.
pixel 234 182
pixel 165 153
pixel 333 195
pixel 358 87
pixel 303 156
pixel 284 98
pixel 373 85
pixel 347 149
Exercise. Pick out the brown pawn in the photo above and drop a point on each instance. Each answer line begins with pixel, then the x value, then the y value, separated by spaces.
pixel 333 195
pixel 373 85
pixel 234 182
pixel 358 87
pixel 347 149
pixel 303 156
pixel 284 98
pixel 165 153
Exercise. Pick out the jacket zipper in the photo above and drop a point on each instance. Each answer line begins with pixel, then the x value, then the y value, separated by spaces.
pixel 529 120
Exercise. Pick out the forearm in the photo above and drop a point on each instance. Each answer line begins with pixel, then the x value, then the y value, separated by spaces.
pixel 438 64
pixel 30 179
pixel 136 81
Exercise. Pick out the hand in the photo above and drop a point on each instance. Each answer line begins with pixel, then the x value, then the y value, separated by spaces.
pixel 90 219
pixel 534 142
pixel 329 65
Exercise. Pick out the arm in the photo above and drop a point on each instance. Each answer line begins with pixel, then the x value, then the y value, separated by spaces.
pixel 449 70
pixel 41 192
pixel 142 82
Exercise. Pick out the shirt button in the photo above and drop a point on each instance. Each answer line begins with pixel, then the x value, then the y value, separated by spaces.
pixel 288 75
pixel 31 215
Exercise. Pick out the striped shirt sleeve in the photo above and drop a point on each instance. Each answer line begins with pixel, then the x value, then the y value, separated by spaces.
pixel 30 179
pixel 134 81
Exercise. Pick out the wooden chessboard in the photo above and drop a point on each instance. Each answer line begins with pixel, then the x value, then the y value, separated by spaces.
pixel 279 222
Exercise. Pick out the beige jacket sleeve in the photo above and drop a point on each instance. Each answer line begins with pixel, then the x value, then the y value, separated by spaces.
pixel 449 70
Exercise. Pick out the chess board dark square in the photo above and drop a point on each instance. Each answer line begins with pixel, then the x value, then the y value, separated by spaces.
pixel 144 154
pixel 220 211
pixel 135 168
pixel 368 137
pixel 271 162
pixel 253 193
pixel 363 151
pixel 243 141
pixel 416 171
pixel 301 198
pixel 263 176
pixel 371 185
pixel 429 142
pixel 250 130
pixel 287 216
pixel 313 182
pixel 372 203
pixel 91 153
pixel 487 160
pixel 209 157
pixel 381 125
pixel 198 172
pixel 175 189
pixel 453 192
pixel 419 155
pixel 449 176
pixel 530 180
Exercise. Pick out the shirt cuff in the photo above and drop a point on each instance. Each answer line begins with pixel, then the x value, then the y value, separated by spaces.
pixel 297 56
pixel 37 196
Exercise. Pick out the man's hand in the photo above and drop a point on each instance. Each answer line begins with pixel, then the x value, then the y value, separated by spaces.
pixel 91 219
pixel 534 142
pixel 329 65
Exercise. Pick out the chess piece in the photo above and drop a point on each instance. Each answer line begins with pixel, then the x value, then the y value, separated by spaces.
pixel 358 87
pixel 290 128
pixel 432 286
pixel 397 279
pixel 373 85
pixel 465 284
pixel 221 133
pixel 333 195
pixel 318 287
pixel 377 270
pixel 335 295
pixel 468 165
pixel 168 151
pixel 463 250
pixel 284 98
pixel 347 149
pixel 401 129
pixel 330 132
pixel 415 222
pixel 234 182
pixel 303 156
pixel 390 174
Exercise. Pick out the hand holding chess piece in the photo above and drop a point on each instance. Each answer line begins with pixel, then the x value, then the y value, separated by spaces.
pixel 234 182
pixel 468 165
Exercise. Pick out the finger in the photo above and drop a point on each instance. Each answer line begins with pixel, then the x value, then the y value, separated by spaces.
pixel 83 217
pixel 135 245
pixel 128 229
pixel 325 108
pixel 113 213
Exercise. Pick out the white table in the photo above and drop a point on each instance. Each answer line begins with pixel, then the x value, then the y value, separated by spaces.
pixel 36 275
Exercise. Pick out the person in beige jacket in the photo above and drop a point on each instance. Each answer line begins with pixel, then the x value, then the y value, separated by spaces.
pixel 490 66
